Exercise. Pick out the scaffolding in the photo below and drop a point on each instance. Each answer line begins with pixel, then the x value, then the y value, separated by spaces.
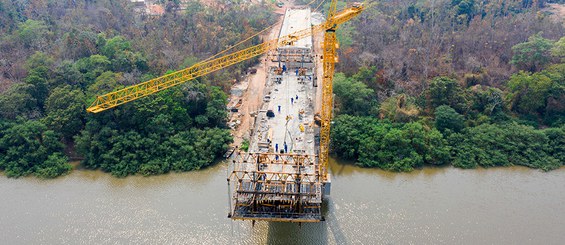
pixel 276 187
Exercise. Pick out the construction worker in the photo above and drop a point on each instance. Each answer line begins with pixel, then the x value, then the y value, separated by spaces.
pixel 285 147
pixel 292 100
pixel 277 147
pixel 296 97
pixel 279 108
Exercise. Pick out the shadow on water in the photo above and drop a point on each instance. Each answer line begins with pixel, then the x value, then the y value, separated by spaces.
pixel 325 232
pixel 337 234
pixel 293 233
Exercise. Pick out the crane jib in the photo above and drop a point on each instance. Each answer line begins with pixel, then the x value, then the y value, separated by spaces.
pixel 134 92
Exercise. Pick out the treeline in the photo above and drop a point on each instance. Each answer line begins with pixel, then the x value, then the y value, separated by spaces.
pixel 461 122
pixel 58 55
pixel 402 147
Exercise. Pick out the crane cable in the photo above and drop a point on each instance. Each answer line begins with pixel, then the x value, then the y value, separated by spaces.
pixel 321 2
pixel 245 40
pixel 254 35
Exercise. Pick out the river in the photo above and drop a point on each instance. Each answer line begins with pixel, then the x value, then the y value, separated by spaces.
pixel 512 205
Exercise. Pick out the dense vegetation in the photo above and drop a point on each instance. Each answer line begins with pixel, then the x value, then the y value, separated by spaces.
pixel 29 147
pixel 56 56
pixel 372 142
pixel 466 83
pixel 461 82
pixel 391 146
pixel 458 122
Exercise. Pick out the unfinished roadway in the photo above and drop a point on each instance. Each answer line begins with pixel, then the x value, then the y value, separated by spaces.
pixel 278 179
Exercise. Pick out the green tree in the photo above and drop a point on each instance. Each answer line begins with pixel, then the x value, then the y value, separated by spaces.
pixel 216 106
pixel 65 111
pixel 39 73
pixel 368 75
pixel 446 91
pixel 40 89
pixel 119 51
pixel 129 152
pixel 345 35
pixel 558 49
pixel 56 165
pixel 447 118
pixel 106 82
pixel 528 92
pixel 18 101
pixel 29 147
pixel 465 10
pixel 41 62
pixel 485 99
pixel 556 137
pixel 92 67
pixel 93 143
pixel 532 55
pixel 404 148
pixel 114 46
pixel 67 73
pixel 156 135
pixel 353 97
pixel 34 34
pixel 348 133
pixel 555 100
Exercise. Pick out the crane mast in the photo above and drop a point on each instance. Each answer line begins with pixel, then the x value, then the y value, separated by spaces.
pixel 329 58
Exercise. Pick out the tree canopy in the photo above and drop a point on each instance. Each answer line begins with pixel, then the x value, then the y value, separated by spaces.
pixel 354 97
pixel 532 55
pixel 30 148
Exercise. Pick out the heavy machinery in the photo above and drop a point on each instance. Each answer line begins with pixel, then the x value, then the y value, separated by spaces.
pixel 329 57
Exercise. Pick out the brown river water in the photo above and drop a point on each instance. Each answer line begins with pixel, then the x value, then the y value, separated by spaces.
pixel 367 206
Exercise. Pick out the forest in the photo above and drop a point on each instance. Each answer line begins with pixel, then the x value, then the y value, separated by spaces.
pixel 56 56
pixel 441 82
pixel 461 83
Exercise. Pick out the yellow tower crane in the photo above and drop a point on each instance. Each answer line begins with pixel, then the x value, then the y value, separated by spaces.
pixel 330 45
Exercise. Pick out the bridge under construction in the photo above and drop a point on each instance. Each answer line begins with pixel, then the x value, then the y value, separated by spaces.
pixel 280 178
pixel 284 175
